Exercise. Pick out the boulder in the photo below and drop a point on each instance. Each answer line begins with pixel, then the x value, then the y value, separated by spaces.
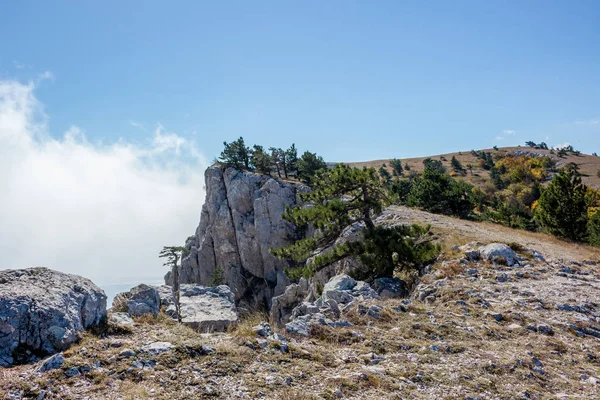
pixel 204 308
pixel 143 299
pixel 499 252
pixel 390 288
pixel 42 312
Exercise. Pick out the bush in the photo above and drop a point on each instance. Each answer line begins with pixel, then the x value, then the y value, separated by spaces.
pixel 437 192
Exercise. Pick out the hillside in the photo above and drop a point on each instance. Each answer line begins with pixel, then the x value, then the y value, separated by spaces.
pixel 472 329
pixel 588 164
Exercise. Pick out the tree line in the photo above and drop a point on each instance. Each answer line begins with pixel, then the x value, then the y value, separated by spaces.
pixel 284 162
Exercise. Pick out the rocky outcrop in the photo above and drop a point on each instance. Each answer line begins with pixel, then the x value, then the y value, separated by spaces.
pixel 240 221
pixel 42 312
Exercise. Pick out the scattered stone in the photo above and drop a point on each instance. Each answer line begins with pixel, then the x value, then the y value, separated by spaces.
pixel 501 278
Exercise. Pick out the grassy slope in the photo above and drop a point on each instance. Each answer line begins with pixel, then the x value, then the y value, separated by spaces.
pixel 589 165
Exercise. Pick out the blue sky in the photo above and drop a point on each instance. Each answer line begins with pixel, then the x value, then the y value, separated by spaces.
pixel 350 80
pixel 110 111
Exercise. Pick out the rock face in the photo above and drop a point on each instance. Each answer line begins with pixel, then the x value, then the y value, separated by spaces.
pixel 240 222
pixel 42 311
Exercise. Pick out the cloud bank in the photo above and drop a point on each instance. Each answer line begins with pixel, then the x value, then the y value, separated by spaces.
pixel 101 211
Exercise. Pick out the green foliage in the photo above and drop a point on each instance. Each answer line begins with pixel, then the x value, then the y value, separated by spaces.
pixel 437 192
pixel 562 207
pixel 598 173
pixel 341 197
pixel 407 167
pixel 434 165
pixel 388 250
pixel 235 154
pixel 594 229
pixel 397 169
pixel 260 160
pixel 308 165
pixel 385 175
pixel 217 278
pixel 457 166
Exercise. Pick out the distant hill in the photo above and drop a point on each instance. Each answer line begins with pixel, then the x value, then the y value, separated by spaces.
pixel 588 164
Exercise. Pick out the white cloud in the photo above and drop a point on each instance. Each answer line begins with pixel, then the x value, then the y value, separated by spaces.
pixel 509 132
pixel 499 138
pixel 102 211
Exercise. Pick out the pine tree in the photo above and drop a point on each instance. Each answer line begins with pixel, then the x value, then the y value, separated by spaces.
pixel 341 197
pixel 173 254
pixel 456 165
pixel 308 165
pixel 292 160
pixel 397 169
pixel 385 175
pixel 236 154
pixel 562 207
pixel 260 160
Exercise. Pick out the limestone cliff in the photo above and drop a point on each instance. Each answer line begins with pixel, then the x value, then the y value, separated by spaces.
pixel 240 222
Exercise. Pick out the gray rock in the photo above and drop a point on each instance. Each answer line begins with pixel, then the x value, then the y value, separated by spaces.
pixel 240 222
pixel 390 288
pixel 263 329
pixel 72 372
pixel 143 299
pixel 498 252
pixel 156 348
pixel 205 309
pixel 54 362
pixel 127 353
pixel 42 311
pixel 283 305
pixel 121 318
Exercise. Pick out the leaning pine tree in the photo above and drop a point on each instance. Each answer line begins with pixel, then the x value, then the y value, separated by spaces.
pixel 341 197
pixel 173 254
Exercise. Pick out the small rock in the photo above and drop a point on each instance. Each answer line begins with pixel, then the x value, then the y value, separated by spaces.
pixel 263 329
pixel 72 372
pixel 156 348
pixel 127 353
pixel 54 362
pixel 498 317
